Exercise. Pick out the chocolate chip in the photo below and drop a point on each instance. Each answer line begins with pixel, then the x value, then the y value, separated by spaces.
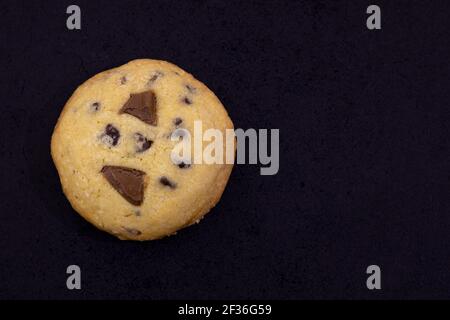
pixel 95 106
pixel 142 106
pixel 190 88
pixel 128 182
pixel 187 100
pixel 166 182
pixel 142 143
pixel 137 213
pixel 132 231
pixel 123 80
pixel 111 135
pixel 155 76
pixel 183 165
pixel 177 121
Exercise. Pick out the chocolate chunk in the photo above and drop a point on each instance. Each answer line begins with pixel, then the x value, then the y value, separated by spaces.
pixel 166 182
pixel 111 135
pixel 142 106
pixel 183 165
pixel 155 76
pixel 177 121
pixel 95 106
pixel 142 143
pixel 187 100
pixel 132 231
pixel 190 88
pixel 123 80
pixel 127 181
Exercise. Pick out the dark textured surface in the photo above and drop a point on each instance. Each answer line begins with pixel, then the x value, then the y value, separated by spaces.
pixel 364 174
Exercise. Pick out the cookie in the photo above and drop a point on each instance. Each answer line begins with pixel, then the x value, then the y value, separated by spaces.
pixel 112 149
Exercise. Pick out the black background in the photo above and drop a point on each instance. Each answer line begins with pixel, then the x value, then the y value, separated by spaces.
pixel 364 155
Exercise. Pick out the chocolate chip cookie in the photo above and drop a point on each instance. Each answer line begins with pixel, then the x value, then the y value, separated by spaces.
pixel 112 149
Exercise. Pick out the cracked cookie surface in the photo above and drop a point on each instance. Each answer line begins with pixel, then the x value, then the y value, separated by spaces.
pixel 112 151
